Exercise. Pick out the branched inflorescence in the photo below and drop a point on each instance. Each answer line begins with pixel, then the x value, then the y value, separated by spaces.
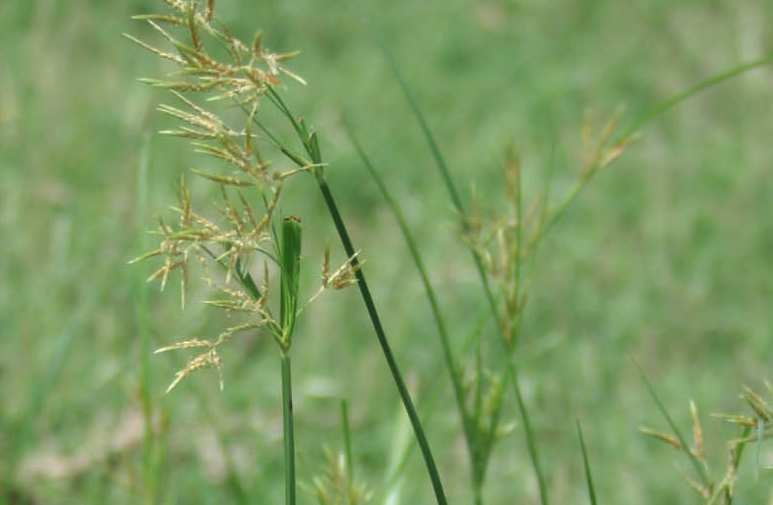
pixel 239 75
pixel 754 427
pixel 504 242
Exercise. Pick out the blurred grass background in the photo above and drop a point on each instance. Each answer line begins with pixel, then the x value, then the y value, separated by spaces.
pixel 666 257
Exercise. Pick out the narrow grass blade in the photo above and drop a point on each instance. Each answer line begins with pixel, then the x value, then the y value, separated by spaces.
pixel 383 342
pixel 684 95
pixel 457 202
pixel 760 430
pixel 347 441
pixel 531 441
pixel 142 311
pixel 448 356
pixel 699 469
pixel 430 401
pixel 289 435
pixel 367 298
pixel 402 443
pixel 588 477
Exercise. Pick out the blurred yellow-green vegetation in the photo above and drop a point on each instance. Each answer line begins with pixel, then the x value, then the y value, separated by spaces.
pixel 666 257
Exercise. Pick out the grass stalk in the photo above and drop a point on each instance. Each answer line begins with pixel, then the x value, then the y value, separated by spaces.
pixel 347 444
pixel 638 124
pixel 430 400
pixel 556 215
pixel 457 202
pixel 289 255
pixel 680 97
pixel 312 148
pixel 699 469
pixel 143 329
pixel 586 464
pixel 531 441
pixel 289 435
pixel 386 350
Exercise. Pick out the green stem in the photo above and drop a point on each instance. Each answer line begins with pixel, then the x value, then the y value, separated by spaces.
pixel 457 202
pixel 347 447
pixel 289 438
pixel 680 97
pixel 445 344
pixel 478 493
pixel 405 396
pixel 312 149
pixel 643 120
pixel 530 440
pixel 143 328
pixel 347 439
pixel 586 464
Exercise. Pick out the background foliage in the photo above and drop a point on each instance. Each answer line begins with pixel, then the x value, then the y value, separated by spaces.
pixel 666 257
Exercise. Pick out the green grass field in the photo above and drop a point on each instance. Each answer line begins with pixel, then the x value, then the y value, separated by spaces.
pixel 666 257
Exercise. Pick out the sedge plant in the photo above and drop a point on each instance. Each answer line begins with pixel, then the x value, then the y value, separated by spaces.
pixel 250 74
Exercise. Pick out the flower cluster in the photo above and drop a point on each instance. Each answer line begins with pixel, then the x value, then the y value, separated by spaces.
pixel 231 242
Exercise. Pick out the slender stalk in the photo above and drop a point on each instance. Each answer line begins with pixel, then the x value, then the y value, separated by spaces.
pixel 735 463
pixel 478 493
pixel 641 121
pixel 289 437
pixel 699 468
pixel 141 309
pixel 586 464
pixel 680 97
pixel 312 148
pixel 457 202
pixel 347 446
pixel 405 396
pixel 530 439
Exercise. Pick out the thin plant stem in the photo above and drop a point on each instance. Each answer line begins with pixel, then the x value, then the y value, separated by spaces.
pixel 309 144
pixel 736 462
pixel 586 464
pixel 289 437
pixel 680 97
pixel 699 469
pixel 383 342
pixel 141 309
pixel 640 122
pixel 531 443
pixel 457 202
pixel 347 445
pixel 430 400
